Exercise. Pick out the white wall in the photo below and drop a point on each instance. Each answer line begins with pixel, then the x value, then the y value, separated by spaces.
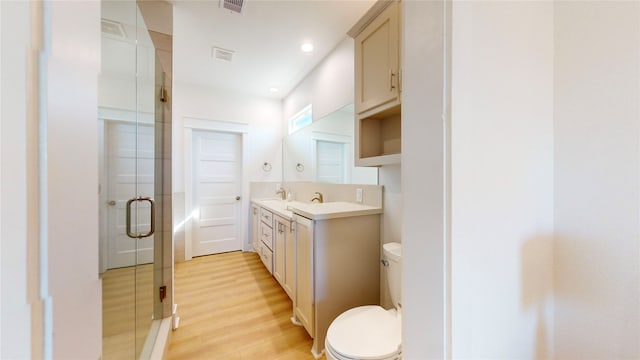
pixel 389 177
pixel 597 180
pixel 424 237
pixel 119 88
pixel 502 180
pixel 263 116
pixel 52 202
pixel 127 67
pixel 329 86
pixel 15 302
pixel 72 198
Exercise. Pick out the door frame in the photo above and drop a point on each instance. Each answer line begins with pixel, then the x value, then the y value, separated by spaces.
pixel 241 129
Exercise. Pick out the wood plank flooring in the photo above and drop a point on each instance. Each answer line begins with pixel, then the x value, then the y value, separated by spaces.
pixel 230 307
pixel 121 338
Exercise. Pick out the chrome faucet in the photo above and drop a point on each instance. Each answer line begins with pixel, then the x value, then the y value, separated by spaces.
pixel 282 193
pixel 318 197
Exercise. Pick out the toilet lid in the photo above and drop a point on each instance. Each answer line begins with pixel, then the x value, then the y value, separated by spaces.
pixel 365 332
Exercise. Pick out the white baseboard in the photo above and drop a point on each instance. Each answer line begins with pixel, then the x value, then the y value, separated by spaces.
pixel 161 345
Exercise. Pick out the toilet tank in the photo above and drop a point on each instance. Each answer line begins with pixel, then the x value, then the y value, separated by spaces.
pixel 393 254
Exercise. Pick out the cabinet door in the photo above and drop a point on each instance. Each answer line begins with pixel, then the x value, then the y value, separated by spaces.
pixel 290 262
pixel 255 228
pixel 376 61
pixel 304 279
pixel 279 251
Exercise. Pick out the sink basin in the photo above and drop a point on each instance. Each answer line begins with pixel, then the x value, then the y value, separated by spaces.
pixel 273 202
pixel 276 205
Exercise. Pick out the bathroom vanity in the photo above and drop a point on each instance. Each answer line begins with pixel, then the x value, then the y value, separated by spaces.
pixel 338 261
pixel 325 256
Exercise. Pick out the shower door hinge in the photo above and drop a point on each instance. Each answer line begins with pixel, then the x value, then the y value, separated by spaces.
pixel 163 292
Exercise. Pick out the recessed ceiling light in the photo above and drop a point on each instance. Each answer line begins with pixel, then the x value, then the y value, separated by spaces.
pixel 306 47
pixel 273 90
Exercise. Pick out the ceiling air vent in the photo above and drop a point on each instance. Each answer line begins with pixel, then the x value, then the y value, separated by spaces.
pixel 233 5
pixel 113 28
pixel 222 54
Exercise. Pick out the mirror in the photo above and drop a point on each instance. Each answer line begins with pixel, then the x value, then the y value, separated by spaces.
pixel 323 152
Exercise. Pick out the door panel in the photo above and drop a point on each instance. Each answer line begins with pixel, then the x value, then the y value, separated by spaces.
pixel 129 174
pixel 216 186
pixel 305 302
pixel 330 162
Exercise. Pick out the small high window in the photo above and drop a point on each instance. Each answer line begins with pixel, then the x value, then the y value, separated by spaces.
pixel 301 119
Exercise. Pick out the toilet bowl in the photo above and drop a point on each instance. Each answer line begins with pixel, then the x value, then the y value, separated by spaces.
pixel 370 332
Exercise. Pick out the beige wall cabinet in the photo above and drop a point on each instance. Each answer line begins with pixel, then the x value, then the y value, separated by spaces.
pixel 378 85
pixel 338 268
pixel 377 61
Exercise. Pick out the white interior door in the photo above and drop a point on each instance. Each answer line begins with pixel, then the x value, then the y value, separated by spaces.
pixel 217 184
pixel 330 161
pixel 124 163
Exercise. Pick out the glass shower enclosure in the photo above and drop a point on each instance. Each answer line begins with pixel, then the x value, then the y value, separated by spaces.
pixel 130 140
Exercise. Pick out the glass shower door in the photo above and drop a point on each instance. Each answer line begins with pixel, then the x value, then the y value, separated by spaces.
pixel 143 212
pixel 127 140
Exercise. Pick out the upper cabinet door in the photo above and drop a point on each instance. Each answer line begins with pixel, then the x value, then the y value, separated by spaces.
pixel 377 61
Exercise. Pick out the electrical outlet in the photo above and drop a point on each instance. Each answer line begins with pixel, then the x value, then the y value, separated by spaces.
pixel 359 195
pixel 278 187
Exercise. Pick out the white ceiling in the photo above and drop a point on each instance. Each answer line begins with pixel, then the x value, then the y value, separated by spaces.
pixel 266 39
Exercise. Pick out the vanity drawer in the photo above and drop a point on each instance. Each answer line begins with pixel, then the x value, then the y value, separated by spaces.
pixel 266 235
pixel 266 255
pixel 266 216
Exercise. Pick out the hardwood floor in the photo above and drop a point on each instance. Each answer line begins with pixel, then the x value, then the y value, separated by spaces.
pixel 121 338
pixel 230 307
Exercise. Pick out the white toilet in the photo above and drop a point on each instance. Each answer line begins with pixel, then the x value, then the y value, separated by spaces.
pixel 370 332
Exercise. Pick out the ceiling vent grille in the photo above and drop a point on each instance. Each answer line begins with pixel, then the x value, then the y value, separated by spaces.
pixel 222 54
pixel 233 5
pixel 113 28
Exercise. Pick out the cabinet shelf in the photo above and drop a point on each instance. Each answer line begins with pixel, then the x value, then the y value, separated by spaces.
pixel 380 160
pixel 379 137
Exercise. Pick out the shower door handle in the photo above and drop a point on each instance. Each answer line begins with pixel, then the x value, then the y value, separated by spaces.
pixel 153 217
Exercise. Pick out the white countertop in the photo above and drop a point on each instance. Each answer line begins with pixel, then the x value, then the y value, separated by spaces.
pixel 317 211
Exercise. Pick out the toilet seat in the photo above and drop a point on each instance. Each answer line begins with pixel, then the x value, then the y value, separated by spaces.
pixel 365 333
